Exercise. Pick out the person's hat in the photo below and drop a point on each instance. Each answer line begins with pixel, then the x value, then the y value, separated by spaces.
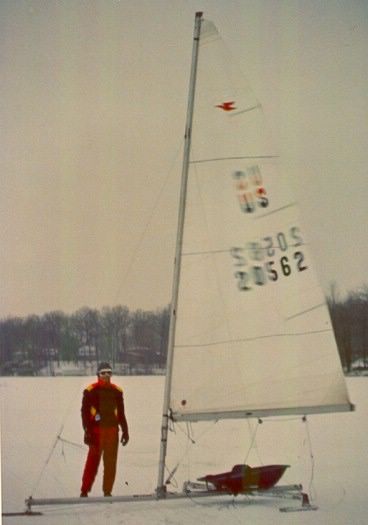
pixel 104 367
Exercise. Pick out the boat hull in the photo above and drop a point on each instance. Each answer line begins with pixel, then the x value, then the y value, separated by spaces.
pixel 243 478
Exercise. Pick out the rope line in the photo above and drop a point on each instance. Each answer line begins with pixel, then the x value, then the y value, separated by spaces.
pixel 55 442
pixel 72 443
pixel 253 440
pixel 148 222
pixel 47 459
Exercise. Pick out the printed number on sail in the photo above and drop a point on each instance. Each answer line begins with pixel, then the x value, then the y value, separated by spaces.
pixel 250 190
pixel 268 260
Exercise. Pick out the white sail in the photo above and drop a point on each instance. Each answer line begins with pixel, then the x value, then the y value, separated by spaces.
pixel 253 335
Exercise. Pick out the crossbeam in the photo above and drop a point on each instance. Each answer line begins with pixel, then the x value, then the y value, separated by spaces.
pixel 187 493
pixel 35 502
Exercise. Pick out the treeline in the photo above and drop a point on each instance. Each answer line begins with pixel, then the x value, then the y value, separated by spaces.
pixel 114 334
pixel 350 323
pixel 140 338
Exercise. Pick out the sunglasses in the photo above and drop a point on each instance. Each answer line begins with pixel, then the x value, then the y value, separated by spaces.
pixel 107 373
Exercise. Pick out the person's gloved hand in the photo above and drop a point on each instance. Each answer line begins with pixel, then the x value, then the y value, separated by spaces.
pixel 124 439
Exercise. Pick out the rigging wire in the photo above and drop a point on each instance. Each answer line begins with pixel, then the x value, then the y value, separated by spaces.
pixel 253 445
pixel 189 443
pixel 135 251
pixel 308 440
pixel 148 222
pixel 253 442
pixel 311 455
pixel 72 443
pixel 47 459
pixel 55 442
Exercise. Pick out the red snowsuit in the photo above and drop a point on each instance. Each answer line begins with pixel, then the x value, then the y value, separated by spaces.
pixel 102 413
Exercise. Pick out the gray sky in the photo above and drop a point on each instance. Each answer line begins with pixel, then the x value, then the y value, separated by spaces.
pixel 93 101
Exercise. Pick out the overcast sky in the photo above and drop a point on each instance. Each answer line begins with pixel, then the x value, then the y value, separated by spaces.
pixel 93 97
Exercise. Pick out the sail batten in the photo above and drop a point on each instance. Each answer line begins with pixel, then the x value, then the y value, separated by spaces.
pixel 240 157
pixel 304 312
pixel 208 252
pixel 245 110
pixel 278 210
pixel 265 336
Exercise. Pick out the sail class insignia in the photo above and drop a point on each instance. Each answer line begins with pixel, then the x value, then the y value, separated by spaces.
pixel 227 106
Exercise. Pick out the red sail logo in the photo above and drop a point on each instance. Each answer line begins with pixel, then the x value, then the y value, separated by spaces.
pixel 226 106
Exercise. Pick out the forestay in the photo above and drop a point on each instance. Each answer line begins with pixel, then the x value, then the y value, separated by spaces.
pixel 253 335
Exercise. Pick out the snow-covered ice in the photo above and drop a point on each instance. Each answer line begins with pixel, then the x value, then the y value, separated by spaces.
pixel 332 465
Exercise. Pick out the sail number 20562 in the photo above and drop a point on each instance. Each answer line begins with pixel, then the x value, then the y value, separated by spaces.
pixel 270 259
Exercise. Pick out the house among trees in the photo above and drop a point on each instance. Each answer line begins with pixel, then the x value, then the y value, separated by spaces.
pixel 60 344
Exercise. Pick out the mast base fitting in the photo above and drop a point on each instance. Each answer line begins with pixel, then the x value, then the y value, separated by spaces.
pixel 161 492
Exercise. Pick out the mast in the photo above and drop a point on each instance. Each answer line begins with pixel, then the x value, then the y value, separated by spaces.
pixel 161 488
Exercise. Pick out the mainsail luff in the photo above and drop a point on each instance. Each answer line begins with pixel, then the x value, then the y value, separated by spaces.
pixel 181 215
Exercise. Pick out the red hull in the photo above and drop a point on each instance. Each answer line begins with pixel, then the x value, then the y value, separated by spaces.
pixel 243 478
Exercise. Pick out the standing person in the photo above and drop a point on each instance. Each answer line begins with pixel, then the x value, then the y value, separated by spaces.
pixel 102 413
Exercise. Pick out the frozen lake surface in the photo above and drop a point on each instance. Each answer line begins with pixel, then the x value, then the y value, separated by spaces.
pixel 332 465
